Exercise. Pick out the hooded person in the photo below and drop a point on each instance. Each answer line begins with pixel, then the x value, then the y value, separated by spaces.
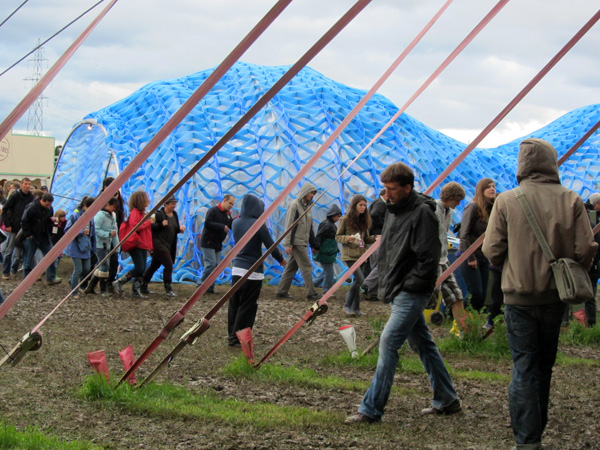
pixel 296 244
pixel 532 309
pixel 244 303
pixel 327 247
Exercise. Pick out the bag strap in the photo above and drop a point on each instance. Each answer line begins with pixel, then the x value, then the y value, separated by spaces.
pixel 534 224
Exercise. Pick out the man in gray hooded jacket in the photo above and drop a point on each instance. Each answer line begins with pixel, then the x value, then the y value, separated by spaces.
pixel 297 242
pixel 533 311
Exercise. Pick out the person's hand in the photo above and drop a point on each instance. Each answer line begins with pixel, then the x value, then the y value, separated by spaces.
pixel 350 239
pixel 182 228
pixel 283 263
pixel 165 223
pixel 9 229
pixel 473 264
pixel 288 251
pixel 226 229
pixel 86 231
pixel 152 219
pixel 113 233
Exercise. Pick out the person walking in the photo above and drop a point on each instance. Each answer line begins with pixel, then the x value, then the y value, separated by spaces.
pixel 138 202
pixel 12 213
pixel 80 249
pixel 296 244
pixel 326 247
pixel 353 234
pixel 476 270
pixel 590 308
pixel 377 210
pixel 120 215
pixel 164 242
pixel 105 224
pixel 451 195
pixel 217 224
pixel 410 254
pixel 244 303
pixel 36 225
pixel 532 308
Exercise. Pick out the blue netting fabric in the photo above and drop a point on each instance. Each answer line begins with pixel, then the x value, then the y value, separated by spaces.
pixel 266 154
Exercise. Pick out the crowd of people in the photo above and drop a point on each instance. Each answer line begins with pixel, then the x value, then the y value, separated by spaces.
pixel 413 232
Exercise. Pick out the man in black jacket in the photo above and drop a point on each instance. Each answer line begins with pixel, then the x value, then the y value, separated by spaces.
pixel 217 224
pixel 12 213
pixel 409 254
pixel 36 225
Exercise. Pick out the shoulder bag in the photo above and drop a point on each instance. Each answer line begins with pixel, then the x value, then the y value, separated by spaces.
pixel 572 280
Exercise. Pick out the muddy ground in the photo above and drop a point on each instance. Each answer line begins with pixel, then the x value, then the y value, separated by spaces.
pixel 41 390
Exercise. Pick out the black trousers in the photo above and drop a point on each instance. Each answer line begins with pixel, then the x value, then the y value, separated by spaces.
pixel 160 258
pixel 242 307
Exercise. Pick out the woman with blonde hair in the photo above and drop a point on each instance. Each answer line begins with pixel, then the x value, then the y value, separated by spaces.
pixel 138 202
pixel 353 234
pixel 476 270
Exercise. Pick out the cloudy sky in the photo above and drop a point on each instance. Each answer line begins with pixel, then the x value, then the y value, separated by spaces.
pixel 141 41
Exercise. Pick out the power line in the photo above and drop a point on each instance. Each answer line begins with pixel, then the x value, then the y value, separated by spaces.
pixel 51 37
pixel 13 13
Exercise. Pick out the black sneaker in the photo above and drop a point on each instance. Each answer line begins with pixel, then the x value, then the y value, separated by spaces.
pixel 313 296
pixel 280 295
pixel 452 408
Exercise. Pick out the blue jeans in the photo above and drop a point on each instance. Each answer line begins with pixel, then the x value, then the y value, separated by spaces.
pixel 80 267
pixel 407 322
pixel 29 248
pixel 9 246
pixel 210 260
pixel 532 333
pixel 138 258
pixel 325 277
pixel 100 255
pixel 477 281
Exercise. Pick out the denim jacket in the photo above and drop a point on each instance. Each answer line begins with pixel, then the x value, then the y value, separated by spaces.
pixel 82 246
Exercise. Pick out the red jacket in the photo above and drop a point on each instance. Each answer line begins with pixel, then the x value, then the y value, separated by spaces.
pixel 143 231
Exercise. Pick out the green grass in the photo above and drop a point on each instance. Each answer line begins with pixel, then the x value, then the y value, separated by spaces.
pixel 564 360
pixel 164 400
pixel 579 335
pixel 472 344
pixel 267 373
pixel 32 439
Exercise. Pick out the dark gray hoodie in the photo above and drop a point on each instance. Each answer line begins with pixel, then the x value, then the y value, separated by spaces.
pixel 252 208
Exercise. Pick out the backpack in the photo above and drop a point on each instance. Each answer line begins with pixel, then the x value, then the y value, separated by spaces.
pixel 132 241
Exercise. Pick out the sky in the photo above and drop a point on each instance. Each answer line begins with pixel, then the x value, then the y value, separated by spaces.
pixel 141 41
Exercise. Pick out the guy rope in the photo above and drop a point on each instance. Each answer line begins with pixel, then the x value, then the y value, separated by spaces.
pixel 480 137
pixel 192 336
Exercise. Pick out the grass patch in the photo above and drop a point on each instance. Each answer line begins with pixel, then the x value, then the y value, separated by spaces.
pixel 495 346
pixel 239 368
pixel 578 335
pixel 32 439
pixel 165 400
pixel 565 360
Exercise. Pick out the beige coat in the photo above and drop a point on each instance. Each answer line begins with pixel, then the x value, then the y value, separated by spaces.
pixel 351 251
pixel 509 242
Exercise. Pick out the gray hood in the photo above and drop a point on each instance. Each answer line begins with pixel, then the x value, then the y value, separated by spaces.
pixel 306 188
pixel 537 161
pixel 334 210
